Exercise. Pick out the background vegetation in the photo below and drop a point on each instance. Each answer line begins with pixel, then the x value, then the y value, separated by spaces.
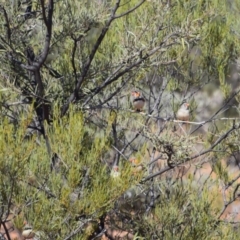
pixel 76 161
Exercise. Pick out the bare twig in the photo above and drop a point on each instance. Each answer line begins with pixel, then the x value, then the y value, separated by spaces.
pixel 90 59
pixel 7 24
pixel 216 113
pixel 219 140
pixel 130 10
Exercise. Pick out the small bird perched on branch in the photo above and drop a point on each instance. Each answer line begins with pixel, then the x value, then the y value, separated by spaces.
pixel 183 113
pixel 138 101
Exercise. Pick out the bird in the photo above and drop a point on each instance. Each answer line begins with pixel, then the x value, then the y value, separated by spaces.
pixel 183 113
pixel 137 165
pixel 28 231
pixel 115 173
pixel 138 101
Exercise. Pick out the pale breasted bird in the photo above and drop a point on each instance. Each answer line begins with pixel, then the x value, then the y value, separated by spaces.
pixel 183 113
pixel 138 101
pixel 115 173
pixel 28 231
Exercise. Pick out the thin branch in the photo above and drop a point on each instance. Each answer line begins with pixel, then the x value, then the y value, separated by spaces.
pixel 48 35
pixel 130 10
pixel 232 181
pixel 207 121
pixel 226 204
pixel 127 69
pixel 216 113
pixel 114 93
pixel 5 229
pixel 220 139
pixel 90 59
pixel 120 74
pixel 47 192
pixel 103 85
pixel 7 24
pixel 75 41
pixel 120 152
pixel 74 232
pixel 44 12
pixel 164 119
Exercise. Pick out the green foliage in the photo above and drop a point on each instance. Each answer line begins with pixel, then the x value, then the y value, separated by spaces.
pixel 60 179
pixel 38 191
pixel 184 213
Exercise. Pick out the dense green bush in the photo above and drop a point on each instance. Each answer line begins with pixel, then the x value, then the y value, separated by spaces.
pixel 76 160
